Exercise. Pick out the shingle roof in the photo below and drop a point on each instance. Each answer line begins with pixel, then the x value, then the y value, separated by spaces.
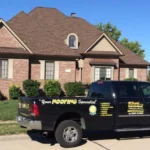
pixel 44 31
pixel 102 62
pixel 130 57
pixel 10 50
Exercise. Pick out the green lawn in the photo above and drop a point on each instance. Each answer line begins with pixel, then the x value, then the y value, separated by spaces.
pixel 8 110
pixel 12 128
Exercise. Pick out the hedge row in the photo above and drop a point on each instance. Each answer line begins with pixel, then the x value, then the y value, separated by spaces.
pixel 51 88
pixel 31 88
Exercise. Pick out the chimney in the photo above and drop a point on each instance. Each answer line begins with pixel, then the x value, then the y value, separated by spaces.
pixel 73 14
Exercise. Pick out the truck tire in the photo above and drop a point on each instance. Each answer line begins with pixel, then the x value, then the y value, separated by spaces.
pixel 68 134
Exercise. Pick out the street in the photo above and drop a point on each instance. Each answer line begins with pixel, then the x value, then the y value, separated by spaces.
pixel 107 141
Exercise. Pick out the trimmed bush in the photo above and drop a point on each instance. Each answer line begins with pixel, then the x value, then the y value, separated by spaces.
pixel 31 87
pixel 14 92
pixel 52 88
pixel 131 79
pixel 74 89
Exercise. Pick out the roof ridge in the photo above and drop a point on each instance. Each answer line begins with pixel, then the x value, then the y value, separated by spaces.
pixel 48 8
pixel 21 12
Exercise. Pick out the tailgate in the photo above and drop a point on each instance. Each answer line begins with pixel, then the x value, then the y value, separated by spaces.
pixel 25 107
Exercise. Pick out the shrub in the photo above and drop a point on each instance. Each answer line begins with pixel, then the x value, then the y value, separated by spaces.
pixel 74 89
pixel 14 92
pixel 131 79
pixel 52 88
pixel 31 87
pixel 1 96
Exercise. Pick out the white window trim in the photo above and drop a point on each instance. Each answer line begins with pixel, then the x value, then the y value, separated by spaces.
pixel 77 40
pixel 93 72
pixel 42 70
pixel 135 72
pixel 10 68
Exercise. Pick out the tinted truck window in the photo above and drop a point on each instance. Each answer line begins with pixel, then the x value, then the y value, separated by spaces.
pixel 128 89
pixel 100 90
pixel 146 89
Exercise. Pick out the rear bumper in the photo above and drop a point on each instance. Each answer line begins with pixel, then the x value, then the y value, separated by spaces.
pixel 29 124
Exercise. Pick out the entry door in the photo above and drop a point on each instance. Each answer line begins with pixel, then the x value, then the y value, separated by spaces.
pixel 130 105
pixel 146 94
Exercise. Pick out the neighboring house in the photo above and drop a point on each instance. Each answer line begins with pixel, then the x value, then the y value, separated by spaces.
pixel 46 44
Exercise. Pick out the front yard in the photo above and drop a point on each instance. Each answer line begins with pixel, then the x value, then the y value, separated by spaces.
pixel 8 110
pixel 8 113
pixel 11 128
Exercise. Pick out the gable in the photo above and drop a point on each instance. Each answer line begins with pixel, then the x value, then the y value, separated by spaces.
pixel 7 39
pixel 104 45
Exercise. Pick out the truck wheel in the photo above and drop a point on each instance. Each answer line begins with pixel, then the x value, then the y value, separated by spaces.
pixel 68 133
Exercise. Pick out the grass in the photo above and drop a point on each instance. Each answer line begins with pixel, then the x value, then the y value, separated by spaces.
pixel 10 129
pixel 8 110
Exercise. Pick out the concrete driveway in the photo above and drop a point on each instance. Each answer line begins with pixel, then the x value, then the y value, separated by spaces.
pixel 95 141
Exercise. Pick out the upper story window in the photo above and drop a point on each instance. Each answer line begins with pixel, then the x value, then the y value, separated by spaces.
pixel 72 41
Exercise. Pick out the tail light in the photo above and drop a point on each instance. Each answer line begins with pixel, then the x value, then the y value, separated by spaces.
pixel 35 110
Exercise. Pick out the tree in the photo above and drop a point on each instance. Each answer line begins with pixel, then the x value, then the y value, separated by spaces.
pixel 133 46
pixel 115 34
pixel 110 30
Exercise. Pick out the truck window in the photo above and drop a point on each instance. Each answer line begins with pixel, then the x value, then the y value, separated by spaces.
pixel 128 89
pixel 100 90
pixel 146 89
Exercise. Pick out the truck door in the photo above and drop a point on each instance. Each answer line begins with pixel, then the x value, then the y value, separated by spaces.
pixel 105 116
pixel 130 106
pixel 145 87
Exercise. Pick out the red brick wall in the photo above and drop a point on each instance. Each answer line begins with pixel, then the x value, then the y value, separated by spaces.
pixel 122 73
pixel 7 39
pixel 67 76
pixel 86 71
pixel 116 69
pixel 20 73
pixel 142 74
pixel 35 69
pixel 63 75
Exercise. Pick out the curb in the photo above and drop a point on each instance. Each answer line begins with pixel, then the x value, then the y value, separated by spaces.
pixel 14 137
pixel 33 136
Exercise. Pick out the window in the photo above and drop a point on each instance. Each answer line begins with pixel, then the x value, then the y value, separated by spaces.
pixel 49 70
pixel 100 90
pixel 131 73
pixel 72 41
pixel 103 73
pixel 146 89
pixel 3 68
pixel 128 89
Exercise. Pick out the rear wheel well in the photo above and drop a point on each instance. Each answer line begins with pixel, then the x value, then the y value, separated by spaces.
pixel 71 116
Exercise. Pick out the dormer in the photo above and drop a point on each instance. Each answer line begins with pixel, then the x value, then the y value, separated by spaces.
pixel 72 41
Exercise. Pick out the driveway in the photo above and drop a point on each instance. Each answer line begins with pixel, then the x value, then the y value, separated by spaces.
pixel 96 141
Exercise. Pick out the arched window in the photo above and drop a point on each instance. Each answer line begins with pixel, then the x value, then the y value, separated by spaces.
pixel 72 41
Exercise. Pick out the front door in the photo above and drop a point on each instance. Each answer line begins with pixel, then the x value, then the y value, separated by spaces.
pixel 130 107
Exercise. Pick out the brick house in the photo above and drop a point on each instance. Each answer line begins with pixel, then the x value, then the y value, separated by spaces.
pixel 46 44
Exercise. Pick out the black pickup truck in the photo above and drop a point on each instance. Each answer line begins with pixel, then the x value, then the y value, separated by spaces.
pixel 110 105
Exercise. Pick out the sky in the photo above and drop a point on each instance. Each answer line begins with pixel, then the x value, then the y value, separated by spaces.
pixel 132 17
